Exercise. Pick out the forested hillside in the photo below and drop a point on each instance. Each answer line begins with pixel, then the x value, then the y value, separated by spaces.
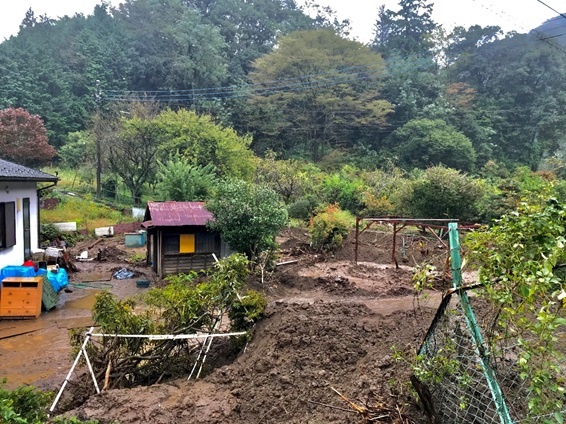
pixel 262 91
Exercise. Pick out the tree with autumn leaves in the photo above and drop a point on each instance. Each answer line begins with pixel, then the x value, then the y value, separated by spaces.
pixel 23 138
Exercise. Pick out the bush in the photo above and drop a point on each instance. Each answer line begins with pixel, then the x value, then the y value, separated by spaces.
pixel 377 206
pixel 303 208
pixel 442 193
pixel 329 228
pixel 25 405
pixel 344 189
pixel 248 216
pixel 247 310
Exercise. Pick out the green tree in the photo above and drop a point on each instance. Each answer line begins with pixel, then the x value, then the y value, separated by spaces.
pixel 405 32
pixel 248 216
pixel 464 41
pixel 519 82
pixel 78 150
pixel 200 141
pixel 250 29
pixel 170 47
pixel 290 178
pixel 132 145
pixel 441 193
pixel 180 181
pixel 315 87
pixel 424 142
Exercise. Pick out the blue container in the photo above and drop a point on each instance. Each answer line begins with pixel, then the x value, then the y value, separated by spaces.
pixel 135 239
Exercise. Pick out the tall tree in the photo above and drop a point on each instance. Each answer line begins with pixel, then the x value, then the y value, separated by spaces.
pixel 170 46
pixel 522 81
pixel 407 31
pixel 23 138
pixel 199 140
pixel 250 28
pixel 316 88
pixel 132 145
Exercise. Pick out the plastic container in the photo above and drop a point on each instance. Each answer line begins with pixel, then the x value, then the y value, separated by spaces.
pixel 142 284
pixel 134 239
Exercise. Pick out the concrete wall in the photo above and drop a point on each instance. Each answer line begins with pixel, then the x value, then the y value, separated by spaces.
pixel 15 192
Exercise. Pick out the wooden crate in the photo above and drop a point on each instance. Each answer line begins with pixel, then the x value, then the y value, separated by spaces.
pixel 21 297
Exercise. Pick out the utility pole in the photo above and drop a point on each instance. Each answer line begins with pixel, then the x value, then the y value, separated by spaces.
pixel 97 135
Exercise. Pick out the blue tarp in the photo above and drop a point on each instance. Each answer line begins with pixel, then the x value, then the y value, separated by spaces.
pixel 58 280
pixel 16 271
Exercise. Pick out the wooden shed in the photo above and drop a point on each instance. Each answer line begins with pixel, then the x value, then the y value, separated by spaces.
pixel 177 237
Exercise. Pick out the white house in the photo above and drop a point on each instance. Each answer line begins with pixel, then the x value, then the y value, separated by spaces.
pixel 19 211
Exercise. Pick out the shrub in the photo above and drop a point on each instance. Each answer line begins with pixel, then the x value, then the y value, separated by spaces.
pixel 329 228
pixel 442 193
pixel 247 310
pixel 377 206
pixel 247 216
pixel 345 189
pixel 303 208
pixel 24 405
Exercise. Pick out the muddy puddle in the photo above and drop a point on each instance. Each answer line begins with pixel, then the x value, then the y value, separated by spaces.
pixel 36 351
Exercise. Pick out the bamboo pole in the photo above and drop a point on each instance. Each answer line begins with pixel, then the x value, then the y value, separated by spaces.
pixel 167 336
pixel 71 370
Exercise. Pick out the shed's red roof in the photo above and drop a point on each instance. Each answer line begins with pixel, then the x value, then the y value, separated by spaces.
pixel 177 214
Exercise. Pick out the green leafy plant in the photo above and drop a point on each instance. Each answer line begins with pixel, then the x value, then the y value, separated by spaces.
pixel 247 310
pixel 441 193
pixel 329 228
pixel 137 258
pixel 179 180
pixel 188 304
pixel 520 258
pixel 24 405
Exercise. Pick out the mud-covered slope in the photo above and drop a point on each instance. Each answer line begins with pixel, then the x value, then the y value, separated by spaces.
pixel 298 353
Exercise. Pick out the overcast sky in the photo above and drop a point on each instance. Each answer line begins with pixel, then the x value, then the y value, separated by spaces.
pixel 517 15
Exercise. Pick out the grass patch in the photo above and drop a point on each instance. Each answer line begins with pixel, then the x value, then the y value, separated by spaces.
pixel 85 212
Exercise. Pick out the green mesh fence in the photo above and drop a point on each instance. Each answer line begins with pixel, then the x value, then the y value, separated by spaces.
pixel 450 367
pixel 464 379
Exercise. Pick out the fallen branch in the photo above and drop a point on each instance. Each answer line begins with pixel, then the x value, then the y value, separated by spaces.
pixel 331 406
pixel 377 412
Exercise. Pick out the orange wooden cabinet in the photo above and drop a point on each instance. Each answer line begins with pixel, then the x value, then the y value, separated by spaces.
pixel 21 297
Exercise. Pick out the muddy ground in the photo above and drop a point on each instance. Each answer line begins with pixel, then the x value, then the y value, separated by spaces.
pixel 330 323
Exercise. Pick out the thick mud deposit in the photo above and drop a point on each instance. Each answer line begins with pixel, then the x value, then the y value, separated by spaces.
pixel 330 324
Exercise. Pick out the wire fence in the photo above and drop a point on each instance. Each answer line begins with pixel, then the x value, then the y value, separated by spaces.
pixel 460 378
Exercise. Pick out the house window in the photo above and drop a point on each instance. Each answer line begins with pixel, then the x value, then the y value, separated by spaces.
pixel 7 225
pixel 206 243
pixel 170 244
pixel 189 243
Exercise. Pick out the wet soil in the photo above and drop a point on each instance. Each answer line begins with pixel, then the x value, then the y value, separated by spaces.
pixel 330 323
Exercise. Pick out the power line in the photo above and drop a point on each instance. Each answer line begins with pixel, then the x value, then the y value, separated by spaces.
pixel 307 82
pixel 541 36
pixel 552 8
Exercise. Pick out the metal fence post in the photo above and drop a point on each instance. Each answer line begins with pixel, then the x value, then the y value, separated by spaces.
pixel 475 333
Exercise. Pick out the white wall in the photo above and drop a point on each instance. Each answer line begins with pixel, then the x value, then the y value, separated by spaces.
pixel 15 192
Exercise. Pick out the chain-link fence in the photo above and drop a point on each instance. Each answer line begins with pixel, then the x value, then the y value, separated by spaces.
pixel 463 379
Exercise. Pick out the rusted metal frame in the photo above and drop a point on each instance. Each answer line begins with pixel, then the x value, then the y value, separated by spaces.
pixel 395 231
pixel 409 220
pixel 436 235
pixel 358 232
pixel 416 222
